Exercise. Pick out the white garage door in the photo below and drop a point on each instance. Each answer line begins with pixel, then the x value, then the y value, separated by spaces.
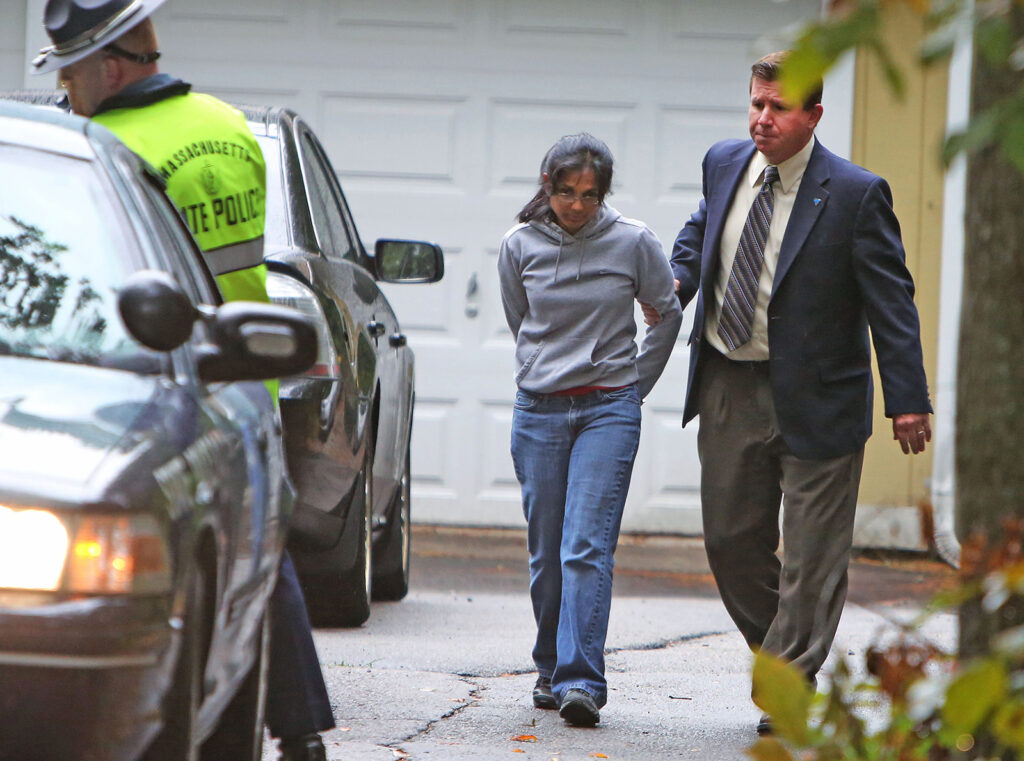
pixel 436 114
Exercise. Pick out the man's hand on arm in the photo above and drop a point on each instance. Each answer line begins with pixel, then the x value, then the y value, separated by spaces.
pixel 912 430
pixel 651 316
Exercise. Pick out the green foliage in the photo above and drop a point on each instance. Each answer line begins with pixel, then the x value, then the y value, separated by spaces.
pixel 857 24
pixel 782 692
pixel 973 695
pixel 925 704
pixel 821 44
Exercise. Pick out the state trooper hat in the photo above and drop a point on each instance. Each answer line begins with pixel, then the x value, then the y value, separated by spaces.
pixel 79 28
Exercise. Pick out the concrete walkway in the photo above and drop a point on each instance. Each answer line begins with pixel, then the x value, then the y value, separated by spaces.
pixel 446 674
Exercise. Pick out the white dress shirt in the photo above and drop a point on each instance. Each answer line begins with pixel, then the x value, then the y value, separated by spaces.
pixel 791 171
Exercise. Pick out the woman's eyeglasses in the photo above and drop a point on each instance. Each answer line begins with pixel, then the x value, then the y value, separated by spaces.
pixel 567 196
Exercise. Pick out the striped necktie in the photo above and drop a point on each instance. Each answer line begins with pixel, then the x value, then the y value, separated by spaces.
pixel 737 318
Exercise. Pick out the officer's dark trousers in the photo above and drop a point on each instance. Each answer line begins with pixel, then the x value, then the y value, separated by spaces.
pixel 297 702
pixel 790 608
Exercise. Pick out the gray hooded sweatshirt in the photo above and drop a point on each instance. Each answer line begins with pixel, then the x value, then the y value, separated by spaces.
pixel 569 300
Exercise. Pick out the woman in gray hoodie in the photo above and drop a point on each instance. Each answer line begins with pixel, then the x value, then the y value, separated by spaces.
pixel 569 274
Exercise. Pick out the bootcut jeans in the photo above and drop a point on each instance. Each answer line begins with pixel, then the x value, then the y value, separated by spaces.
pixel 573 456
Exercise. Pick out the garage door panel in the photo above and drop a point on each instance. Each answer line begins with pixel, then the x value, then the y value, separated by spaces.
pixel 438 19
pixel 496 473
pixel 434 419
pixel 713 64
pixel 574 22
pixel 398 138
pixel 15 50
pixel 683 137
pixel 730 19
pixel 670 469
pixel 494 327
pixel 523 130
pixel 423 312
pixel 251 12
pixel 256 96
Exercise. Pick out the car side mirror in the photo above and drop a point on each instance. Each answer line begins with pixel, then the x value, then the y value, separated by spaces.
pixel 156 312
pixel 254 341
pixel 408 261
pixel 249 340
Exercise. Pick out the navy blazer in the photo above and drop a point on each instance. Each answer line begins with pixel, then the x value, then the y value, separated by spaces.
pixel 841 269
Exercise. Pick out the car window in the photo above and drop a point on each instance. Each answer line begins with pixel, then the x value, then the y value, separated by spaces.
pixel 65 249
pixel 351 227
pixel 324 204
pixel 276 233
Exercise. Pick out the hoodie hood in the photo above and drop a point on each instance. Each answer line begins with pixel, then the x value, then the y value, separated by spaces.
pixel 606 217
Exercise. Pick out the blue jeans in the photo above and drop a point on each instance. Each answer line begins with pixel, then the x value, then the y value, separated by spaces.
pixel 573 456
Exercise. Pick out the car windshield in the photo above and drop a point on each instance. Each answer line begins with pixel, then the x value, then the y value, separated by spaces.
pixel 275 234
pixel 64 251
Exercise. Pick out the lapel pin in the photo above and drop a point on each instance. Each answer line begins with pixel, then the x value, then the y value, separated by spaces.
pixel 817 201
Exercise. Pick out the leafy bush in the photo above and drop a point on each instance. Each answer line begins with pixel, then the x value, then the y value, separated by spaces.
pixel 934 705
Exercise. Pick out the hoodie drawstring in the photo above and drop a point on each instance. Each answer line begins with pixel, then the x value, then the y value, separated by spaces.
pixel 558 257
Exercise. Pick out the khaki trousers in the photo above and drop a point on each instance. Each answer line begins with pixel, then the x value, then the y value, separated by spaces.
pixel 790 607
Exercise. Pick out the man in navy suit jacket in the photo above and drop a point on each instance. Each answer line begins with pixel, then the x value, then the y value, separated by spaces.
pixel 785 411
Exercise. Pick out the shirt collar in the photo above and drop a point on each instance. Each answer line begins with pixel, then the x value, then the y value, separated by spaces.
pixel 790 170
pixel 144 92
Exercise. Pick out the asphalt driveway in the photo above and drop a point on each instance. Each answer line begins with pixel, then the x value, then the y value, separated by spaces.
pixel 446 673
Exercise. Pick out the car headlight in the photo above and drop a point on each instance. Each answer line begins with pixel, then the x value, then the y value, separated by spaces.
pixel 82 554
pixel 289 292
pixel 33 549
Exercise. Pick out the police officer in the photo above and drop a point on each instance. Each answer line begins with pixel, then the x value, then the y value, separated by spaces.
pixel 106 51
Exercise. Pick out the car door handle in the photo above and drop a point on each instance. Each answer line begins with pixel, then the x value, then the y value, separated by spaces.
pixel 376 329
pixel 397 340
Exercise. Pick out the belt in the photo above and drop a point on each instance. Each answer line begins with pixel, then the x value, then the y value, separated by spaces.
pixel 751 364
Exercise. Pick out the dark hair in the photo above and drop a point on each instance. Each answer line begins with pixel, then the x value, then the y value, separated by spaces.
pixel 572 153
pixel 768 69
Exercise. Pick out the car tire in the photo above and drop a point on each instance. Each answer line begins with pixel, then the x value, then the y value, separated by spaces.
pixel 343 598
pixel 239 732
pixel 181 705
pixel 392 557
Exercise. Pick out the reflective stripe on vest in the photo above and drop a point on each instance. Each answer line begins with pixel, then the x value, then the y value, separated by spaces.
pixel 237 256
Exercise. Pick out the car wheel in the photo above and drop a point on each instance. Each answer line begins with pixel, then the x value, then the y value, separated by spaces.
pixel 391 560
pixel 174 742
pixel 239 732
pixel 343 598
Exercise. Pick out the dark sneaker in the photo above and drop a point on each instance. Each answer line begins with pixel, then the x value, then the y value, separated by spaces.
pixel 542 695
pixel 306 748
pixel 579 709
pixel 764 725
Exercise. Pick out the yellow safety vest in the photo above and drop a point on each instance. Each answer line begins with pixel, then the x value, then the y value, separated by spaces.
pixel 215 175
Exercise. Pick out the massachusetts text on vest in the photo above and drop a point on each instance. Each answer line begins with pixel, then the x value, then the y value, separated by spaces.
pixel 203 148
